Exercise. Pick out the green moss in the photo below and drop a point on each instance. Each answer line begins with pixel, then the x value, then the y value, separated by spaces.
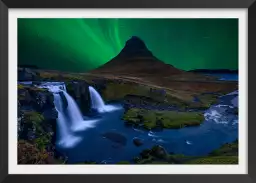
pixel 181 119
pixel 148 156
pixel 177 158
pixel 149 120
pixel 117 91
pixel 164 119
pixel 33 117
pixel 148 160
pixel 20 87
pixel 229 149
pixel 208 99
pixel 34 120
pixel 31 88
pixel 226 154
pixel 132 116
pixel 182 104
pixel 43 141
pixel 215 160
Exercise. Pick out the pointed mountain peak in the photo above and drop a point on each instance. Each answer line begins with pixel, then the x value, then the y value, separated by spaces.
pixel 135 47
pixel 136 42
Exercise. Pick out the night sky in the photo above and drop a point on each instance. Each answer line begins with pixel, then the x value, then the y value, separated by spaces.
pixel 84 44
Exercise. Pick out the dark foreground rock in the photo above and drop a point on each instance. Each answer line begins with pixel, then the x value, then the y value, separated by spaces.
pixel 37 127
pixel 137 141
pixel 80 92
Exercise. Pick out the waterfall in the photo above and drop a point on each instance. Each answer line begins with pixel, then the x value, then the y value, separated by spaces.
pixel 69 119
pixel 75 116
pixel 98 103
pixel 73 110
pixel 96 100
pixel 66 139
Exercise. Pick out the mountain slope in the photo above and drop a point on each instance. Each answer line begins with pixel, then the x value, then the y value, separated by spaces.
pixel 135 59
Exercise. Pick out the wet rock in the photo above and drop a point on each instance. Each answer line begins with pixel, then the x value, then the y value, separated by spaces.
pixel 116 137
pixel 80 92
pixel 159 152
pixel 26 74
pixel 34 98
pixel 41 99
pixel 50 114
pixel 137 141
pixel 145 153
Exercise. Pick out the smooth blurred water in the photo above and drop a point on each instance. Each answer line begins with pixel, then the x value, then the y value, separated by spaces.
pixel 70 118
pixel 98 103
pixel 65 137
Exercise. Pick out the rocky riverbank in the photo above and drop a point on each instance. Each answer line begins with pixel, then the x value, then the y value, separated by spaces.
pixel 37 127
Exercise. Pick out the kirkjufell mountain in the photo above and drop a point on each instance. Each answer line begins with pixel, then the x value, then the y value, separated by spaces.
pixel 136 59
pixel 135 47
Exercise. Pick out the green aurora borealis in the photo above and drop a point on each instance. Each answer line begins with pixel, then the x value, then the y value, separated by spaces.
pixel 84 44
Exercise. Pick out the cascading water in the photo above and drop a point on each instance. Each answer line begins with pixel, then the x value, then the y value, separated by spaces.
pixel 96 100
pixel 75 116
pixel 66 139
pixel 98 103
pixel 70 115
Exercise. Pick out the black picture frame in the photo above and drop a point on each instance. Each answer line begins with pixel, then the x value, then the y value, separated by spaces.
pixel 7 4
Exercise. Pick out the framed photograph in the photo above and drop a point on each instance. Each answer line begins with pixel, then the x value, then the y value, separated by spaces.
pixel 126 91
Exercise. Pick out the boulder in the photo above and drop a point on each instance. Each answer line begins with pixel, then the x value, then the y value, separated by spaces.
pixel 159 152
pixel 80 92
pixel 50 114
pixel 137 141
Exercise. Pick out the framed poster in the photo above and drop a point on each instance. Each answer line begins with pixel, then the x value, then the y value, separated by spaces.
pixel 125 88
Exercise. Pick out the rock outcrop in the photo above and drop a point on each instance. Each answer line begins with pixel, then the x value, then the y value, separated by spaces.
pixel 37 127
pixel 27 74
pixel 80 92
